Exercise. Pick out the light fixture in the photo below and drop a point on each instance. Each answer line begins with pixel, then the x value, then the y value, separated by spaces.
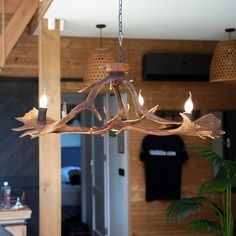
pixel 99 57
pixel 223 64
pixel 64 109
pixel 188 106
pixel 140 98
pixel 117 79
pixel 42 113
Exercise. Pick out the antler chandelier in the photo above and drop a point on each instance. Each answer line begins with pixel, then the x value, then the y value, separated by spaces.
pixel 36 123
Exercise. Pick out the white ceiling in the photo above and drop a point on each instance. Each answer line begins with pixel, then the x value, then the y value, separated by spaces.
pixel 154 19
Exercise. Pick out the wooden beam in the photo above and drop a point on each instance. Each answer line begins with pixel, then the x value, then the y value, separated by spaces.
pixel 43 6
pixel 17 25
pixel 49 145
pixel 11 6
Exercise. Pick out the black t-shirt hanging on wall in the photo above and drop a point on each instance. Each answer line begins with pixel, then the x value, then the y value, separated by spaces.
pixel 163 157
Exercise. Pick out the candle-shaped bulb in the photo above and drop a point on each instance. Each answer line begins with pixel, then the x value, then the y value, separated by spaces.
pixel 140 98
pixel 188 106
pixel 43 101
pixel 42 112
pixel 64 109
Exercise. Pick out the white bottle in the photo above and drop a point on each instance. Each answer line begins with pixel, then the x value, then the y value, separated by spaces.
pixel 6 195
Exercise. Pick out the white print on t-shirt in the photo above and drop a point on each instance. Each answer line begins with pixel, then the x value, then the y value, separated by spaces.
pixel 157 152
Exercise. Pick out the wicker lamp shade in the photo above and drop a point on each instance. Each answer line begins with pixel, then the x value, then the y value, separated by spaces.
pixel 96 67
pixel 223 64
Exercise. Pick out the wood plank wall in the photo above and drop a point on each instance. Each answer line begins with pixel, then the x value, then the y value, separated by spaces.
pixel 145 218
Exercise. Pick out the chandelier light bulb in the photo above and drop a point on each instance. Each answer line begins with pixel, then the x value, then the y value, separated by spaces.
pixel 188 106
pixel 42 111
pixel 64 109
pixel 43 101
pixel 140 98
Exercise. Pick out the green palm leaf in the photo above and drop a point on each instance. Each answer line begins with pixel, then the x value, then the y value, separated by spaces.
pixel 204 226
pixel 226 167
pixel 222 183
pixel 215 185
pixel 207 153
pixel 181 209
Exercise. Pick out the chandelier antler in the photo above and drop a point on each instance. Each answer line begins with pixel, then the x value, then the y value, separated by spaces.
pixel 206 126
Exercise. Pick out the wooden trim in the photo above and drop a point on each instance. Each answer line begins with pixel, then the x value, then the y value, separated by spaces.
pixel 10 215
pixel 21 66
pixel 49 145
pixel 17 25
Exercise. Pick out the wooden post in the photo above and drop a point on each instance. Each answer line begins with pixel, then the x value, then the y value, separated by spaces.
pixel 50 145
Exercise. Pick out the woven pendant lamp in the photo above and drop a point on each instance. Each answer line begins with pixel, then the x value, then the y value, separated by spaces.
pixel 96 66
pixel 223 64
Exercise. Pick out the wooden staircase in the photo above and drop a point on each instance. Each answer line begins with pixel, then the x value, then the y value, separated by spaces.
pixel 18 16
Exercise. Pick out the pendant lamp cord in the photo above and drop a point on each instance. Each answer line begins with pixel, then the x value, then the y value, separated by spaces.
pixel 120 35
pixel 101 37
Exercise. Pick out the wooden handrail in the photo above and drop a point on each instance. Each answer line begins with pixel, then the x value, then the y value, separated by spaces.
pixel 16 26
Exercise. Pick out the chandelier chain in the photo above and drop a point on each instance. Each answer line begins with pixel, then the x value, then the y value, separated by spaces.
pixel 120 35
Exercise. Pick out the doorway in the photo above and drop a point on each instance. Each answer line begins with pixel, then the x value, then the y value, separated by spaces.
pixel 71 173
pixel 104 173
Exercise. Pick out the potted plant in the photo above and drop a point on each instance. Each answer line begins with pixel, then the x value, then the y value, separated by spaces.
pixel 222 185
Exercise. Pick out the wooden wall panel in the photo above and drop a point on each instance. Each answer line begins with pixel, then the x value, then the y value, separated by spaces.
pixel 19 157
pixel 145 218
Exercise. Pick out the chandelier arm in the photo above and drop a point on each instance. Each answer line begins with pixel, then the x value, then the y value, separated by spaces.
pixel 111 125
pixel 108 117
pixel 152 110
pixel 142 110
pixel 138 114
pixel 121 109
pixel 86 87
pixel 38 130
pixel 88 104
pixel 30 118
pixel 206 126
pixel 188 127
pixel 71 115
